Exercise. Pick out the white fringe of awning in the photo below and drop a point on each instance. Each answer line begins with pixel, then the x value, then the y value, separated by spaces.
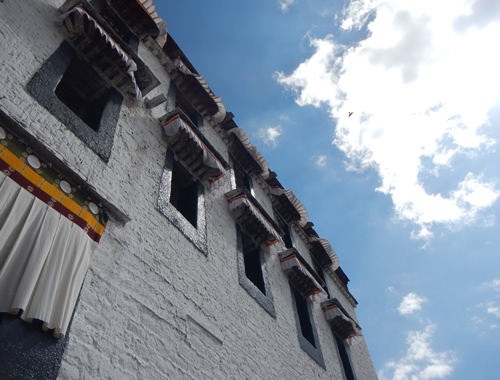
pixel 332 312
pixel 150 8
pixel 319 295
pixel 329 250
pixel 172 127
pixel 129 62
pixel 304 216
pixel 238 204
pixel 43 258
pixel 219 116
pixel 243 137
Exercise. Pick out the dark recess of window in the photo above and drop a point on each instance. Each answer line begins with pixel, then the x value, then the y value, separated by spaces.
pixel 287 238
pixel 344 357
pixel 243 180
pixel 321 274
pixel 84 92
pixel 304 318
pixel 253 263
pixel 184 193
pixel 186 106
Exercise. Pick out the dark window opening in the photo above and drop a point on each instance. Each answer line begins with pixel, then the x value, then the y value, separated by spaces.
pixel 321 274
pixel 242 179
pixel 253 263
pixel 287 239
pixel 304 315
pixel 184 193
pixel 84 92
pixel 186 107
pixel 344 357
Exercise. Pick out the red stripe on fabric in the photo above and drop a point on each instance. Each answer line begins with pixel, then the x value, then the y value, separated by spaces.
pixel 40 194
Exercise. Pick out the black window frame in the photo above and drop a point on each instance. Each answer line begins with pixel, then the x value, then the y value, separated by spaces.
pixel 345 358
pixel 263 298
pixel 43 87
pixel 196 234
pixel 312 349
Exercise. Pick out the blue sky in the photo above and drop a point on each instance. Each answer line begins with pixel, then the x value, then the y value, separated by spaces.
pixel 406 189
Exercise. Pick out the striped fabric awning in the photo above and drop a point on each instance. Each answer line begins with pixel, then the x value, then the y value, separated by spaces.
pixel 342 324
pixel 220 114
pixel 86 31
pixel 251 218
pixel 324 252
pixel 190 149
pixel 302 276
pixel 288 200
pixel 239 135
pixel 141 15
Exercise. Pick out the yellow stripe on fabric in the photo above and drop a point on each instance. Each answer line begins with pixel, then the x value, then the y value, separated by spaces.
pixel 12 160
pixel 99 229
pixel 92 221
pixel 71 205
pixel 33 177
pixel 53 191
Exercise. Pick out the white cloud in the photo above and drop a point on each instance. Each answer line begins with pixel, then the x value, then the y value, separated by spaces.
pixel 285 4
pixel 495 310
pixel 495 284
pixel 321 161
pixel 391 289
pixel 420 362
pixel 270 135
pixel 420 86
pixel 411 303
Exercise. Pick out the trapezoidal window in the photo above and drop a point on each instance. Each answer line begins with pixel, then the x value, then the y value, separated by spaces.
pixel 252 257
pixel 287 237
pixel 184 193
pixel 304 316
pixel 242 178
pixel 344 357
pixel 321 274
pixel 186 106
pixel 84 92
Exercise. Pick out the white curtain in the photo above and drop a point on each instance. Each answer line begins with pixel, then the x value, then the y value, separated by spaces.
pixel 43 258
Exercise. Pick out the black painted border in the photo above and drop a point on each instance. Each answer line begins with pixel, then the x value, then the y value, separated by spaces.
pixel 314 352
pixel 264 300
pixel 197 236
pixel 42 87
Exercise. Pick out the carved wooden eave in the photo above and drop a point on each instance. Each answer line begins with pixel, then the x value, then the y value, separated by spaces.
pixel 193 85
pixel 340 285
pixel 192 148
pixel 247 155
pixel 142 18
pixel 341 322
pixel 288 205
pixel 302 276
pixel 323 252
pixel 105 51
pixel 252 218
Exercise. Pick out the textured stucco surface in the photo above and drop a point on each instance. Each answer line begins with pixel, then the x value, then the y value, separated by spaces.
pixel 152 305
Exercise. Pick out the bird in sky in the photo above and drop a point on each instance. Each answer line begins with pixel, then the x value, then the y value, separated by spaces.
pixel 350 114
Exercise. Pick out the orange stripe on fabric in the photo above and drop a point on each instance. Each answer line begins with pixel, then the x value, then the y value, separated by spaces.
pixel 14 162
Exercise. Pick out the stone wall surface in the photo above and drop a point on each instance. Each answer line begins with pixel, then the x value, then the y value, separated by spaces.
pixel 152 305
